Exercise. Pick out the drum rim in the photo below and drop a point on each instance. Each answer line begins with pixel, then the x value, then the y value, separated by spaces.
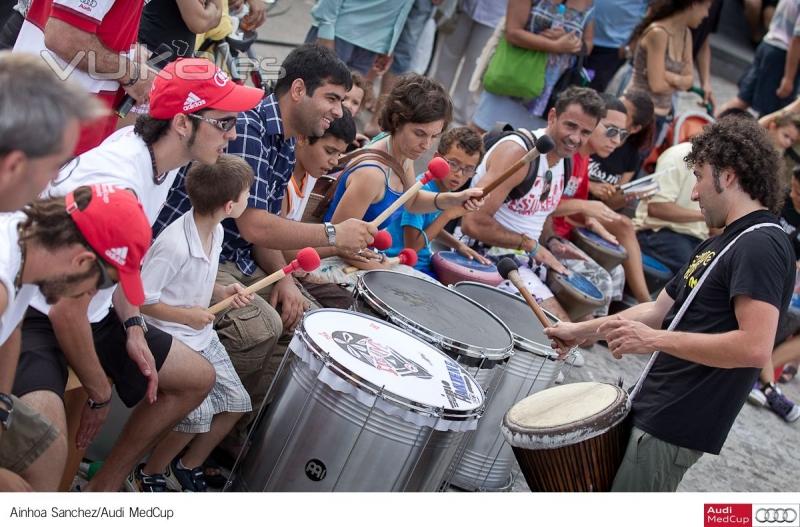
pixel 442 253
pixel 373 389
pixel 497 355
pixel 561 279
pixel 522 343
pixel 621 252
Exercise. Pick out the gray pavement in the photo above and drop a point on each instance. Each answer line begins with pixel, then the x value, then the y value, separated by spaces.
pixel 761 452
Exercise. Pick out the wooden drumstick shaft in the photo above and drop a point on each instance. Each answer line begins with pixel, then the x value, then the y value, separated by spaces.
pixel 252 288
pixel 537 310
pixel 388 211
pixel 529 156
pixel 391 261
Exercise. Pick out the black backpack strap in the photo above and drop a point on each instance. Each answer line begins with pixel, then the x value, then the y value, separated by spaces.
pixel 533 168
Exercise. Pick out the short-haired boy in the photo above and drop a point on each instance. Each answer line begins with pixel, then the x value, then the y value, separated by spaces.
pixel 179 275
pixel 462 148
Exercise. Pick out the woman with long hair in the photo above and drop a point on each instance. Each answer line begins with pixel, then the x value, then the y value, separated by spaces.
pixel 662 62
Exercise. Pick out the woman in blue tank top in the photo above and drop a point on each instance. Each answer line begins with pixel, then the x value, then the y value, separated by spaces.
pixel 415 114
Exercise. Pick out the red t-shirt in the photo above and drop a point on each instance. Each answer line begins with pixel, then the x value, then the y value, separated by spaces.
pixel 577 187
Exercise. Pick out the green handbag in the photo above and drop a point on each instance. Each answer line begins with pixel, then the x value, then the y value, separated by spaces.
pixel 515 71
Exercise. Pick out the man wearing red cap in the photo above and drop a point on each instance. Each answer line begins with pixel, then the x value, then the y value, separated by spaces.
pixel 93 43
pixel 63 247
pixel 193 108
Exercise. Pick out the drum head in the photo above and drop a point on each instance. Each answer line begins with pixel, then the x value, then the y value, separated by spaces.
pixel 378 356
pixel 437 314
pixel 512 310
pixel 596 239
pixel 578 282
pixel 463 261
pixel 565 414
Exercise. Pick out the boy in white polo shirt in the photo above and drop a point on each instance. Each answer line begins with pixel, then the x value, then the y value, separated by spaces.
pixel 179 275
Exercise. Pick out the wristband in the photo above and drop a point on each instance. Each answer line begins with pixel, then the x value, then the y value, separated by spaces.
pixel 435 204
pixel 134 77
pixel 532 252
pixel 94 405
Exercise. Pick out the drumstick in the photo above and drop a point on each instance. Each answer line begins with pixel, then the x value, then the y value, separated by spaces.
pixel 382 241
pixel 307 260
pixel 407 256
pixel 543 145
pixel 508 269
pixel 438 168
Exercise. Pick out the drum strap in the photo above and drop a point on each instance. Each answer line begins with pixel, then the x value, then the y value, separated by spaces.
pixel 635 391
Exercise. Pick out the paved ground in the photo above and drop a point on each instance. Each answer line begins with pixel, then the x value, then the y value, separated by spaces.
pixel 761 452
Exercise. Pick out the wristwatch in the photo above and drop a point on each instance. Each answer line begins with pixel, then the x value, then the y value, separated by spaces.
pixel 330 231
pixel 137 320
pixel 6 410
pixel 94 405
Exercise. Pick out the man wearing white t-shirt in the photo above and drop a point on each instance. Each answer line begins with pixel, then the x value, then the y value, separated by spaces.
pixel 63 247
pixel 192 116
pixel 518 224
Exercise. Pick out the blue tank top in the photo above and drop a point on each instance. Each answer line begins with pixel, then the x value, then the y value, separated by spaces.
pixel 389 197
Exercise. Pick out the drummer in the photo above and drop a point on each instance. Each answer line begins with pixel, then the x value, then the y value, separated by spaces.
pixel 462 148
pixel 708 363
pixel 576 208
pixel 505 226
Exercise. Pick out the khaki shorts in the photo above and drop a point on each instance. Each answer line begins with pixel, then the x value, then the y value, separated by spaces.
pixel 28 437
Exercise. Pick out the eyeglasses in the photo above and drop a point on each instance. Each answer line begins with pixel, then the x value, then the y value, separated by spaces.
pixel 612 132
pixel 466 171
pixel 104 281
pixel 224 125
pixel 548 179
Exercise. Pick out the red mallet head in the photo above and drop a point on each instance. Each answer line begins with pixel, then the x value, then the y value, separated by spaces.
pixel 438 168
pixel 307 260
pixel 382 241
pixel 408 257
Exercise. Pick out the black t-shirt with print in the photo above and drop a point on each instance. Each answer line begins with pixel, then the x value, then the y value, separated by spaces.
pixel 610 169
pixel 790 221
pixel 692 405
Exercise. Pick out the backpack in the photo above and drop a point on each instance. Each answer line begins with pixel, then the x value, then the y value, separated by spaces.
pixel 325 187
pixel 502 130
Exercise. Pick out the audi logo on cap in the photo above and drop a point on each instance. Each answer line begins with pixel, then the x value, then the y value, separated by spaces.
pixel 782 515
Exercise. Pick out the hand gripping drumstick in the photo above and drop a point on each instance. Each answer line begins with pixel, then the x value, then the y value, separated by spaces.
pixel 508 270
pixel 543 145
pixel 307 260
pixel 407 256
pixel 438 168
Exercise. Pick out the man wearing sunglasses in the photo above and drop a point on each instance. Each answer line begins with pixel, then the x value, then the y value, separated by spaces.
pixel 65 247
pixel 193 108
pixel 505 225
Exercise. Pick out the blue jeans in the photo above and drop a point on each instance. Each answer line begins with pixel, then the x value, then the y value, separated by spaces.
pixel 357 58
pixel 672 248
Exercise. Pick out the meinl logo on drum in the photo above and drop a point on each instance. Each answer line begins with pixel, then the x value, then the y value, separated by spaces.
pixel 728 515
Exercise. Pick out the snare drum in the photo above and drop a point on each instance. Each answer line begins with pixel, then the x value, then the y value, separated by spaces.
pixel 478 340
pixel 656 274
pixel 487 460
pixel 576 294
pixel 602 251
pixel 570 437
pixel 452 267
pixel 359 405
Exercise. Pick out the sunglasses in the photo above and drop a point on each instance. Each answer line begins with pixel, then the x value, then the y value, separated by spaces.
pixel 466 171
pixel 224 125
pixel 612 132
pixel 104 281
pixel 548 179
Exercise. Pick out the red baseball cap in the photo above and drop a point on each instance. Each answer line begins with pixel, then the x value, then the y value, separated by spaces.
pixel 189 85
pixel 115 226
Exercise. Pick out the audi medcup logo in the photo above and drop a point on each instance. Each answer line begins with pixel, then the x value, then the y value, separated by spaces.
pixel 728 515
pixel 776 514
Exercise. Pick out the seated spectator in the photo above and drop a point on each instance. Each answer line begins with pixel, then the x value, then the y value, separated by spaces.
pixel 790 215
pixel 462 148
pixel 607 174
pixel 169 28
pixel 359 96
pixel 415 114
pixel 179 282
pixel 576 209
pixel 662 62
pixel 770 83
pixel 784 132
pixel 670 225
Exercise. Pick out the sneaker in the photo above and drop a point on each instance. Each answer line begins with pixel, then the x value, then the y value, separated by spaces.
pixel 757 396
pixel 185 479
pixel 782 405
pixel 139 482
pixel 576 358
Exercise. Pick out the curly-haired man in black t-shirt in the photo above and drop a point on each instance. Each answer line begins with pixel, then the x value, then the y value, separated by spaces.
pixel 707 364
